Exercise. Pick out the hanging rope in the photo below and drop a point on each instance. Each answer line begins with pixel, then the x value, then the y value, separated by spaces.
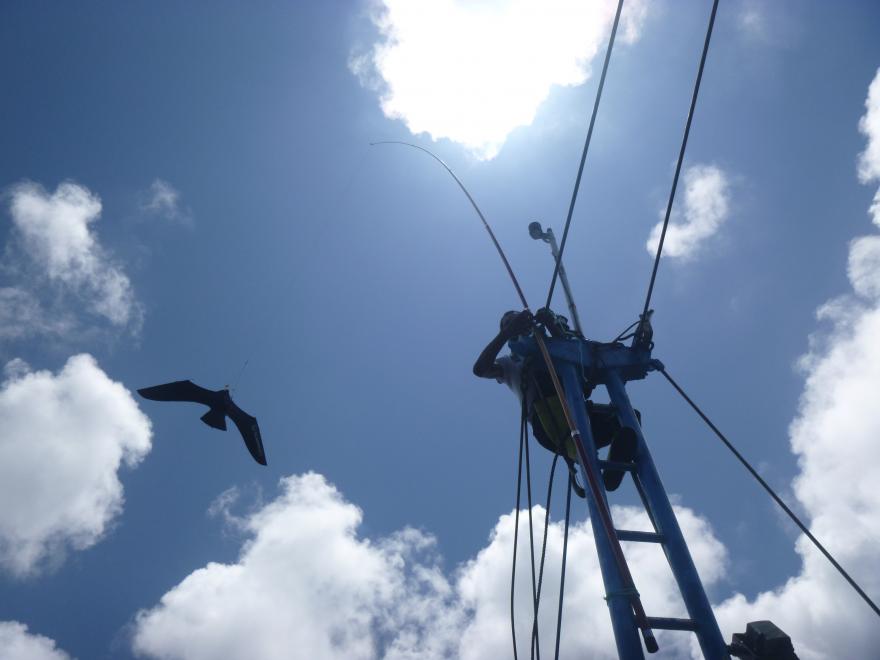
pixel 519 462
pixel 778 500
pixel 562 570
pixel 577 181
pixel 531 545
pixel 684 141
pixel 543 550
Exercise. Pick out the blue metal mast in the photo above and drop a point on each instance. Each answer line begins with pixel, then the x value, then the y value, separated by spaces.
pixel 613 365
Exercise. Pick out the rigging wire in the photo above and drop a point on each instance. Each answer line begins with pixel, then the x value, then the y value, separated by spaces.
pixel 522 434
pixel 543 549
pixel 684 141
pixel 577 181
pixel 562 570
pixel 772 493
pixel 531 545
pixel 623 333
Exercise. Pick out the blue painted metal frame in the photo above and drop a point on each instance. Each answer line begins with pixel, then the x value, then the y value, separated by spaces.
pixel 612 365
pixel 626 635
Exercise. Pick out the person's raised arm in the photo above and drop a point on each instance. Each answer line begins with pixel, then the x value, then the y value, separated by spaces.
pixel 485 366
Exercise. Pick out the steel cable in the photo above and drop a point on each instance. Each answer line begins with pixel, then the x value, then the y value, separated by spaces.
pixel 531 545
pixel 562 570
pixel 776 498
pixel 543 549
pixel 522 427
pixel 684 141
pixel 577 181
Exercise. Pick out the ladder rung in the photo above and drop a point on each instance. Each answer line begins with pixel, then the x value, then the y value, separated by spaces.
pixel 665 623
pixel 642 537
pixel 617 465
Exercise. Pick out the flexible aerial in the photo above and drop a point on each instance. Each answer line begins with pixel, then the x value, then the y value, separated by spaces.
pixel 592 480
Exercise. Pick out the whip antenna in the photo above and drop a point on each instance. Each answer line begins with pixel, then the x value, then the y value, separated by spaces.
pixel 601 505
pixel 476 208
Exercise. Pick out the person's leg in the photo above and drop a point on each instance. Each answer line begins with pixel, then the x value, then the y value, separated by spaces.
pixel 559 438
pixel 623 450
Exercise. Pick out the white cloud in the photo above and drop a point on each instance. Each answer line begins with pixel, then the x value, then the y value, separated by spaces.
pixel 163 199
pixel 22 315
pixel 864 266
pixel 706 207
pixel 63 438
pixel 484 586
pixel 303 585
pixel 765 24
pixel 835 440
pixel 869 160
pixel 752 20
pixel 473 72
pixel 16 643
pixel 56 243
pixel 222 507
pixel 306 584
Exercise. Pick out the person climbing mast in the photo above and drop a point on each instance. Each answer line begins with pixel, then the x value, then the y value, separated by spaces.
pixel 532 384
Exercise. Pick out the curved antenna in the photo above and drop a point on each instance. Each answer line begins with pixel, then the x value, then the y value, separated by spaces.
pixel 592 479
pixel 476 208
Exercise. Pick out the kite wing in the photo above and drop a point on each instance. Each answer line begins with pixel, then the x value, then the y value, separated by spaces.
pixel 180 390
pixel 249 430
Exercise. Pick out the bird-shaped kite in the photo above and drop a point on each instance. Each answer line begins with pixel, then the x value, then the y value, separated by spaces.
pixel 221 406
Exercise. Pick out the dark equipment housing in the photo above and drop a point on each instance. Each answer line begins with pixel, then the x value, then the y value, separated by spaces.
pixel 762 640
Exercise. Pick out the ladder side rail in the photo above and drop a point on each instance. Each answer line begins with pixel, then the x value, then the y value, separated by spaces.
pixel 629 646
pixel 643 496
pixel 675 547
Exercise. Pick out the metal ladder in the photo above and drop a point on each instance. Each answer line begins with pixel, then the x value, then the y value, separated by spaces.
pixel 612 365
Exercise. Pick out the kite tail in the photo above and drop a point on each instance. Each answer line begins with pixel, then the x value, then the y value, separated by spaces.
pixel 215 418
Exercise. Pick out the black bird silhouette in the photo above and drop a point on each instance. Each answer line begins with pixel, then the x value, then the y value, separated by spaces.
pixel 221 406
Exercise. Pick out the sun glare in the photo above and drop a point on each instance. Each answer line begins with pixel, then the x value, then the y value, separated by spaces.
pixel 473 72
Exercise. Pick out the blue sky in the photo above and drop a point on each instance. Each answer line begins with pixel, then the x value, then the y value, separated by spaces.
pixel 190 188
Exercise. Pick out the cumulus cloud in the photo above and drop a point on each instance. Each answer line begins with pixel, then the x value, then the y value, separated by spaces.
pixel 16 643
pixel 63 438
pixel 483 587
pixel 473 72
pixel 163 200
pixel 706 206
pixel 834 437
pixel 864 266
pixel 53 245
pixel 869 160
pixel 22 315
pixel 306 583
